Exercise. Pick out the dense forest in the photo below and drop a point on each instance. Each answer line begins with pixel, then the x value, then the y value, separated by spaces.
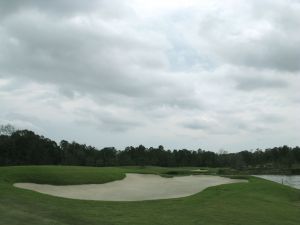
pixel 24 147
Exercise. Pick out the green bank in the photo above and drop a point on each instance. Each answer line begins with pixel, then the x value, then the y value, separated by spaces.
pixel 256 202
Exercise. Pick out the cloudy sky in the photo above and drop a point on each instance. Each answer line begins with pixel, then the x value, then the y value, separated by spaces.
pixel 181 73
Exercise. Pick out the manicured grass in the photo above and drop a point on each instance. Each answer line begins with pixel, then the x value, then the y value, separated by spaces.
pixel 60 175
pixel 257 202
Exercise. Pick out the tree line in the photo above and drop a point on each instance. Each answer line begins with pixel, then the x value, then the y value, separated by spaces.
pixel 24 147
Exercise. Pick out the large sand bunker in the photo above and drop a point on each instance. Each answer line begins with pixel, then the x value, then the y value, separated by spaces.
pixel 134 187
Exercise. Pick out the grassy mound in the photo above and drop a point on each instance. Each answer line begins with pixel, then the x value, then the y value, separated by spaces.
pixel 61 175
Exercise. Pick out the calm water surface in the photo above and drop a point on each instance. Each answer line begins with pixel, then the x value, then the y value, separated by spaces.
pixel 293 181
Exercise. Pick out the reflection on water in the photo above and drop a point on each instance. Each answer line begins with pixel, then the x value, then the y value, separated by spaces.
pixel 293 181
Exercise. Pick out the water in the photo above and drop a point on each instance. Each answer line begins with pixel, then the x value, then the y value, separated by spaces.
pixel 293 181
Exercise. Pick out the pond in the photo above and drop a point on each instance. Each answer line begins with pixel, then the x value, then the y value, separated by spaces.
pixel 293 180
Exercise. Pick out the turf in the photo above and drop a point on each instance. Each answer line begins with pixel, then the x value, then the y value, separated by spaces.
pixel 257 202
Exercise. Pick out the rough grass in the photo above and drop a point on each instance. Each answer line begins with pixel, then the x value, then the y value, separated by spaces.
pixel 257 202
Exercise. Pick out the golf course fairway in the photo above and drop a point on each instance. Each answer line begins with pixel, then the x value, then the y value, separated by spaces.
pixel 254 202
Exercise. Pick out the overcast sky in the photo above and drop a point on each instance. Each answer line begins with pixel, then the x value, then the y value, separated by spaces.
pixel 181 73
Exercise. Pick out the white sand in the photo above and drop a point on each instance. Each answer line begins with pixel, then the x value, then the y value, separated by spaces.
pixel 134 187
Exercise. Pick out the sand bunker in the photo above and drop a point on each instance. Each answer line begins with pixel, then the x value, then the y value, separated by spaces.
pixel 134 187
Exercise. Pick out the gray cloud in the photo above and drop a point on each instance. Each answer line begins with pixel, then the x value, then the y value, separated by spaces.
pixel 196 125
pixel 106 120
pixel 66 8
pixel 271 118
pixel 97 59
pixel 94 58
pixel 173 73
pixel 257 82
pixel 261 34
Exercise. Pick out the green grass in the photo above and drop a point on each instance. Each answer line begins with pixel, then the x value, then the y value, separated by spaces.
pixel 257 202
